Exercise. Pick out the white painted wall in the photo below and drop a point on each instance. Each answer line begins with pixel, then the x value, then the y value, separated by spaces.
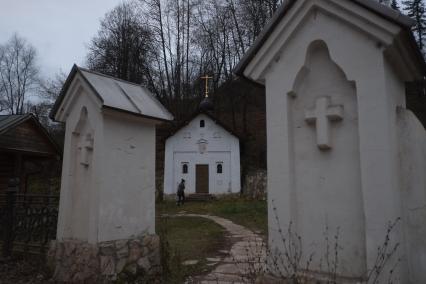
pixel 331 171
pixel 412 154
pixel 328 182
pixel 127 189
pixel 78 198
pixel 183 147
pixel 360 180
pixel 114 196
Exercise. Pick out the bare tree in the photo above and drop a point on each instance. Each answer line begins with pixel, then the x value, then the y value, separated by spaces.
pixel 226 29
pixel 49 89
pixel 122 47
pixel 3 102
pixel 152 10
pixel 18 74
pixel 169 22
pixel 186 39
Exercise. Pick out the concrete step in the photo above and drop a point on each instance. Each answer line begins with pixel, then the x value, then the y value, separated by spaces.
pixel 199 197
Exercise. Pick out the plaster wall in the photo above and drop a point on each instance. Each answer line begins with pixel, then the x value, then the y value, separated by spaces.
pixel 327 181
pixel 412 156
pixel 221 147
pixel 78 213
pixel 127 186
pixel 375 187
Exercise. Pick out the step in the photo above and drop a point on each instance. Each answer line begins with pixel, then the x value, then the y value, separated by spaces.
pixel 199 197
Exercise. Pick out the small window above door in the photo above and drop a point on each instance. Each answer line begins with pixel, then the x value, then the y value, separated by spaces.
pixel 185 168
pixel 202 123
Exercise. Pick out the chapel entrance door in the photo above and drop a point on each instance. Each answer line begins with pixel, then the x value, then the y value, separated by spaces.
pixel 202 178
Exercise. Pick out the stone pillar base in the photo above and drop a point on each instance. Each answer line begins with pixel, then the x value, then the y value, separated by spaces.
pixel 77 261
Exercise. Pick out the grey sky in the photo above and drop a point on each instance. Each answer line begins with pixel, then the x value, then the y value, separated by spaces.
pixel 59 29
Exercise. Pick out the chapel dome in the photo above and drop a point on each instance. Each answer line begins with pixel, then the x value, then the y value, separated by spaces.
pixel 206 105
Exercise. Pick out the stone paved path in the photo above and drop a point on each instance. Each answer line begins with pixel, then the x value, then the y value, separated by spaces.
pixel 246 256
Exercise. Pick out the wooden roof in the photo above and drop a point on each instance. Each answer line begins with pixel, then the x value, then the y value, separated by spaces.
pixel 24 133
pixel 8 121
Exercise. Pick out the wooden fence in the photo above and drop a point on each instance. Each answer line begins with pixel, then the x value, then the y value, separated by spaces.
pixel 27 221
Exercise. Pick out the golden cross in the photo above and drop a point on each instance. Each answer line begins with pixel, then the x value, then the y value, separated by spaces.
pixel 207 84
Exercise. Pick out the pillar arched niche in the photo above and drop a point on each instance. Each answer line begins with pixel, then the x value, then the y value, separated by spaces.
pixel 323 118
pixel 80 177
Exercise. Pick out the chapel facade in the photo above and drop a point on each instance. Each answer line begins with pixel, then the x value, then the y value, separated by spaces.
pixel 205 154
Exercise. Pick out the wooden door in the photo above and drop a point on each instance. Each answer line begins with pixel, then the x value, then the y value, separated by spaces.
pixel 202 178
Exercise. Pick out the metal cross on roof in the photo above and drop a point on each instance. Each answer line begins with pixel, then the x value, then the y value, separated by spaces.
pixel 207 84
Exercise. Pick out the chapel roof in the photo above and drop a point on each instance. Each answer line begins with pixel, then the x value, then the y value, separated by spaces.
pixel 206 105
pixel 116 94
pixel 382 10
pixel 210 115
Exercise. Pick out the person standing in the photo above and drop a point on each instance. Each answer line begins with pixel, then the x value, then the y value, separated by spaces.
pixel 181 193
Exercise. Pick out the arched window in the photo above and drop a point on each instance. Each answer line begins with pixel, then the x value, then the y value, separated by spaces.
pixel 184 168
pixel 202 123
pixel 219 168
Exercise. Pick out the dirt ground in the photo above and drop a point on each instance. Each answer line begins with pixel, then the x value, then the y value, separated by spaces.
pixel 23 271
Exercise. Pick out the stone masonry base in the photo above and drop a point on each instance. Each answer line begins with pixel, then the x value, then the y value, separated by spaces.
pixel 80 262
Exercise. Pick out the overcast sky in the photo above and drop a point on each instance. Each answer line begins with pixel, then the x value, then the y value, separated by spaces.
pixel 59 29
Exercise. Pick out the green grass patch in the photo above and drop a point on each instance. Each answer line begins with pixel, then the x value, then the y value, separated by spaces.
pixel 188 238
pixel 252 214
pixel 192 237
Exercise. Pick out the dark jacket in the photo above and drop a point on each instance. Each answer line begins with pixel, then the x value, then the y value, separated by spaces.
pixel 181 189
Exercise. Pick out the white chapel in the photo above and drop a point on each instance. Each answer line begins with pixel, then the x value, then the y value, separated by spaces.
pixel 203 153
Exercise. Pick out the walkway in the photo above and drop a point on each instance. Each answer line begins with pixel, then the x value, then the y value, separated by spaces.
pixel 242 262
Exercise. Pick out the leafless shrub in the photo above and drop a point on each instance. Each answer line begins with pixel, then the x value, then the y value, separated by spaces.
pixel 385 253
pixel 288 265
pixel 253 263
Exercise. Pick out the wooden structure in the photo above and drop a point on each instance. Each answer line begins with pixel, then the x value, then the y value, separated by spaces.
pixel 26 149
pixel 202 178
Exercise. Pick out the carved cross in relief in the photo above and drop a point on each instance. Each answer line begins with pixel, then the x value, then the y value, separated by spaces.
pixel 322 115
pixel 85 147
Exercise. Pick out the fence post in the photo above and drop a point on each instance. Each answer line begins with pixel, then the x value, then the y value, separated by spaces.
pixel 10 216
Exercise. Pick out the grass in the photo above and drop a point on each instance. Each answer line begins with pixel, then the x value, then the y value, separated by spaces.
pixel 192 237
pixel 196 238
pixel 188 238
pixel 251 214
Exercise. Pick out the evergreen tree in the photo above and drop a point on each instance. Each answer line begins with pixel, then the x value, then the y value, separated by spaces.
pixel 416 10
